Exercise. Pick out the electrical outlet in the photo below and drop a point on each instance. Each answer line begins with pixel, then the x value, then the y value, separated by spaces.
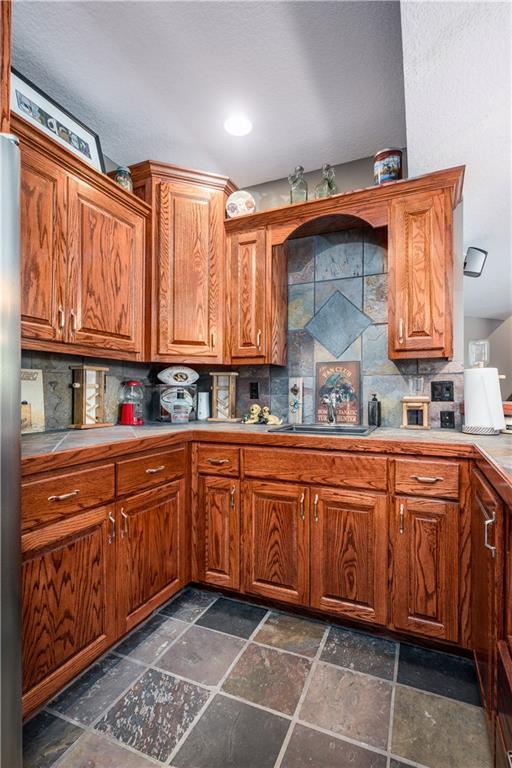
pixel 447 419
pixel 442 391
pixel 254 390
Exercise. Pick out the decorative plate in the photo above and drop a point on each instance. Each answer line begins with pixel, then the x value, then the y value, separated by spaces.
pixel 178 375
pixel 239 203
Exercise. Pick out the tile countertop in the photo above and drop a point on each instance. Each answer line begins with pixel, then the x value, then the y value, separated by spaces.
pixel 72 446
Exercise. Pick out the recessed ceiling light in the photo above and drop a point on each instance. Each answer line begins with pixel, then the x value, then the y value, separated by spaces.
pixel 238 125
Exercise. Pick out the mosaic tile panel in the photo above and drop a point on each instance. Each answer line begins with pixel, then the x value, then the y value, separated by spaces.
pixel 337 324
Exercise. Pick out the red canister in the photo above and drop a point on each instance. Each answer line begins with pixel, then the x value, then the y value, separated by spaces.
pixel 387 165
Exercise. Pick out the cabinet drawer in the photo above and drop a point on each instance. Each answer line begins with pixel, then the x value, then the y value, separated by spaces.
pixel 342 470
pixel 48 500
pixel 149 470
pixel 218 460
pixel 427 478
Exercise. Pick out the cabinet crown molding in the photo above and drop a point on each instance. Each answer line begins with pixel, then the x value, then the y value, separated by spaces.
pixel 168 172
pixel 31 137
pixel 368 203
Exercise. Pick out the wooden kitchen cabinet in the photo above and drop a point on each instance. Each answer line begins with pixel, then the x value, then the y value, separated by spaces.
pixel 217 531
pixel 68 595
pixel 349 554
pixel 486 584
pixel 151 544
pixel 275 560
pixel 105 271
pixel 420 303
pixel 425 547
pixel 259 299
pixel 82 251
pixel 186 307
pixel 42 247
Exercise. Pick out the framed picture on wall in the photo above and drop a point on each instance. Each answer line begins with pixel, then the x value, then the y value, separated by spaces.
pixel 36 107
pixel 338 392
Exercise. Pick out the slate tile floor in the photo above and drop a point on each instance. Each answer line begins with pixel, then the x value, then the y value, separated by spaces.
pixel 210 682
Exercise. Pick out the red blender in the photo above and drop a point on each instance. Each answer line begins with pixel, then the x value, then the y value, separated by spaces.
pixel 132 397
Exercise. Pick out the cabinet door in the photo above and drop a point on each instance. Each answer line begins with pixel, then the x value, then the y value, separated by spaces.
pixel 276 541
pixel 349 554
pixel 248 291
pixel 420 276
pixel 151 549
pixel 218 531
pixel 486 584
pixel 425 592
pixel 189 273
pixel 68 601
pixel 106 272
pixel 42 247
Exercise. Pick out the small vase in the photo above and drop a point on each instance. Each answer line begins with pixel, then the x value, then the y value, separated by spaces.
pixel 327 186
pixel 298 186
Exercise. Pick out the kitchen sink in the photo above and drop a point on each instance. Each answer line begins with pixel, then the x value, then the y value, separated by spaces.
pixel 326 429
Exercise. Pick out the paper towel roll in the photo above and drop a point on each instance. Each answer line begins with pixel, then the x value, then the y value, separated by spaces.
pixel 483 409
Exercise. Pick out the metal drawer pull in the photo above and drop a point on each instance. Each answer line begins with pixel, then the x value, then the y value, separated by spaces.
pixel 125 523
pixel 112 533
pixel 258 339
pixel 315 508
pixel 74 321
pixel 509 758
pixel 219 462
pixel 487 523
pixel 154 470
pixel 232 497
pixel 401 331
pixel 302 515
pixel 427 480
pixel 62 317
pixel 402 516
pixel 64 496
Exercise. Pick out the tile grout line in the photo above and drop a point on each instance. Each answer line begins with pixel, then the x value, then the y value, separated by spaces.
pixel 215 691
pixel 344 738
pixel 302 698
pixel 392 702
pixel 145 667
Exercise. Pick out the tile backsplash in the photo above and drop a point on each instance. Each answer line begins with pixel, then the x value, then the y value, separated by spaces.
pixel 337 311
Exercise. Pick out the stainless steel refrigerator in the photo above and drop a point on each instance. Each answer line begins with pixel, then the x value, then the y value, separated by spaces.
pixel 10 558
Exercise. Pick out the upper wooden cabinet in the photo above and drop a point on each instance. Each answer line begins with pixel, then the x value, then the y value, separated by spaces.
pixel 187 276
pixel 418 216
pixel 259 299
pixel 420 276
pixel 82 254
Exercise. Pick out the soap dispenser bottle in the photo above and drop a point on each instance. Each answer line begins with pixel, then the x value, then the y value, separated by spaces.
pixel 374 416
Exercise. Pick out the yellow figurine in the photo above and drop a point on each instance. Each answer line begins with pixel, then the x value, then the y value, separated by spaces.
pixel 254 415
pixel 268 418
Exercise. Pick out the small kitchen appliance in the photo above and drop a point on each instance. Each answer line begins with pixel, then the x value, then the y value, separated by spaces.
pixel 175 399
pixel 483 409
pixel 132 398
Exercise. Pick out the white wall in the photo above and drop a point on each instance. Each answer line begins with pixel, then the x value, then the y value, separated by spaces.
pixel 458 84
pixel 500 341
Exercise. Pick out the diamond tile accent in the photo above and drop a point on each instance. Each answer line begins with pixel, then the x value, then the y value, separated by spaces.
pixel 337 324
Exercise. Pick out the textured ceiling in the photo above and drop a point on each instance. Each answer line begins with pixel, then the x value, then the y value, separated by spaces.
pixel 457 72
pixel 321 81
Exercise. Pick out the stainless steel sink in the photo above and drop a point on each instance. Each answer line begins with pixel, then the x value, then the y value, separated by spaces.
pixel 325 429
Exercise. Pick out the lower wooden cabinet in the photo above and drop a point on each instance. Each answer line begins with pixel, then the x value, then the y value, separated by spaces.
pixel 486 579
pixel 276 541
pixel 349 554
pixel 68 600
pixel 217 531
pixel 425 546
pixel 150 551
